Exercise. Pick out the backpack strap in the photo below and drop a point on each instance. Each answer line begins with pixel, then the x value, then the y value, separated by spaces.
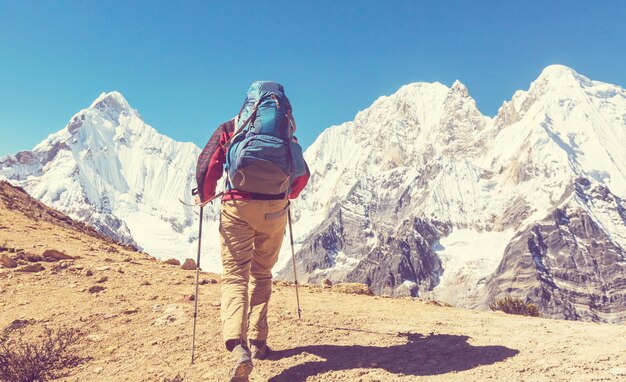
pixel 292 121
pixel 245 123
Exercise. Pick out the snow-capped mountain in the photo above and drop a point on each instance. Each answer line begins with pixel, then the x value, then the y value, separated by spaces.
pixel 107 167
pixel 420 195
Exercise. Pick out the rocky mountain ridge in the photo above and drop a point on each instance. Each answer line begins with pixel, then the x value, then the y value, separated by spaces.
pixel 420 195
pixel 424 169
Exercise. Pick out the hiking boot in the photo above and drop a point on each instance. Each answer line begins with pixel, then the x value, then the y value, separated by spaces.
pixel 243 364
pixel 259 349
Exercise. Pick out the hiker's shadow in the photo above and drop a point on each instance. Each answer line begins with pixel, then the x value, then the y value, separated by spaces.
pixel 431 355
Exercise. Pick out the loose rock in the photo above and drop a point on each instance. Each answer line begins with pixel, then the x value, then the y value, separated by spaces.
pixel 326 283
pixel 96 289
pixel 31 257
pixel 102 279
pixel 7 262
pixel 189 265
pixel 172 262
pixel 54 255
pixel 31 268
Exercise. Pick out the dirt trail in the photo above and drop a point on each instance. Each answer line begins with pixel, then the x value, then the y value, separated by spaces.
pixel 139 327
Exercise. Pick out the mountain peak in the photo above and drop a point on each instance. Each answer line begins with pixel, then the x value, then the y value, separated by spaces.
pixel 562 73
pixel 458 87
pixel 556 70
pixel 111 101
pixel 111 106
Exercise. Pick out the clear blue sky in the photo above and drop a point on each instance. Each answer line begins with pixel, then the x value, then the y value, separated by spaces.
pixel 185 65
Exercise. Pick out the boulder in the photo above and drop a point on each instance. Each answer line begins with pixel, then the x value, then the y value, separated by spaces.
pixel 54 255
pixel 7 262
pixel 172 262
pixel 189 265
pixel 326 283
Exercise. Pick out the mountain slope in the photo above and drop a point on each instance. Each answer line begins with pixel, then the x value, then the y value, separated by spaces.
pixel 110 169
pixel 138 327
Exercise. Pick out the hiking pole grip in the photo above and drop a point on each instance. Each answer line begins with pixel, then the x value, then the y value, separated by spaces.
pixel 195 308
pixel 293 261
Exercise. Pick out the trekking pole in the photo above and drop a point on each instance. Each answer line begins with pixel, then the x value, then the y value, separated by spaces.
pixel 293 260
pixel 195 308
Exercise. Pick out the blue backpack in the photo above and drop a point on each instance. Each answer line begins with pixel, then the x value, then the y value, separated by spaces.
pixel 263 156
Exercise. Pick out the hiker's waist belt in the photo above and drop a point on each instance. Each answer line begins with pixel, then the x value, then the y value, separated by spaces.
pixel 255 196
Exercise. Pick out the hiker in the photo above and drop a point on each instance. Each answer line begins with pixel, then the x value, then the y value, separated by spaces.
pixel 265 168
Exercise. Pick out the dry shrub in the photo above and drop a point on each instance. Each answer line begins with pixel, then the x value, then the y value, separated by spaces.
pixel 177 378
pixel 41 359
pixel 513 305
pixel 352 288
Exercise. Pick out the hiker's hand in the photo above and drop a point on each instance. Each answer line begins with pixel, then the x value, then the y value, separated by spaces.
pixel 200 202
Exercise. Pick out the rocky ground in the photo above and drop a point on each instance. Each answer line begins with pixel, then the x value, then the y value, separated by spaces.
pixel 135 315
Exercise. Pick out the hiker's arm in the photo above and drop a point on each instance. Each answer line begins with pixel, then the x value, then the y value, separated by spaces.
pixel 299 183
pixel 216 167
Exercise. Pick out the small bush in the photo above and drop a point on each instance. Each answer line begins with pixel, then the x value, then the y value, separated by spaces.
pixel 352 288
pixel 514 305
pixel 177 378
pixel 22 360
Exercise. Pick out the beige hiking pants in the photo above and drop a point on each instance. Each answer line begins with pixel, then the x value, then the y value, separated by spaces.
pixel 252 232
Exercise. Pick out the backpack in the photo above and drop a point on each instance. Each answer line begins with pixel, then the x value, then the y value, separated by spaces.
pixel 263 156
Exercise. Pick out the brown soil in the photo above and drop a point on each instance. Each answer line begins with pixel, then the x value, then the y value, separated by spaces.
pixel 139 327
